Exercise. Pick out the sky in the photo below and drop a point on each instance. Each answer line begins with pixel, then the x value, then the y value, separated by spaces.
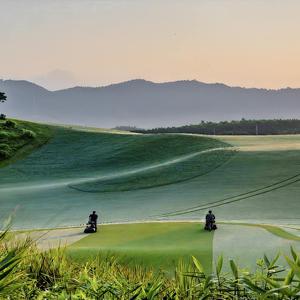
pixel 62 43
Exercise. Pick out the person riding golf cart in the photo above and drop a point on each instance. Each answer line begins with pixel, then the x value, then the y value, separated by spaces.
pixel 210 221
pixel 92 223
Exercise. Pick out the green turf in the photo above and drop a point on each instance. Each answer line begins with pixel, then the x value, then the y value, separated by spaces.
pixel 136 177
pixel 157 245
pixel 278 231
pixel 162 245
pixel 248 243
pixel 89 170
pixel 281 232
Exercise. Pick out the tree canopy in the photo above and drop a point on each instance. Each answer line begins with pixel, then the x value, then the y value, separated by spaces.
pixel 2 97
pixel 242 127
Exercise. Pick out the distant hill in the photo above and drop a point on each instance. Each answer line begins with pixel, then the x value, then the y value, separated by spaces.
pixel 146 104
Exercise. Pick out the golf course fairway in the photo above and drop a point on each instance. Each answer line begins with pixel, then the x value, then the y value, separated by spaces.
pixel 163 245
pixel 156 245
pixel 137 180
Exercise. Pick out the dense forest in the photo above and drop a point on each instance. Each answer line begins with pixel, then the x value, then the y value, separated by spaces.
pixel 242 127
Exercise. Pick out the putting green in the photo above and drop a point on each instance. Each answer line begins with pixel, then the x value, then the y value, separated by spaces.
pixel 163 245
pixel 157 245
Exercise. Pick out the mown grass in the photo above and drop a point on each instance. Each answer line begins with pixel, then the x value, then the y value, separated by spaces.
pixel 152 245
pixel 275 230
pixel 280 232
pixel 111 161
pixel 77 154
pixel 78 171
pixel 172 172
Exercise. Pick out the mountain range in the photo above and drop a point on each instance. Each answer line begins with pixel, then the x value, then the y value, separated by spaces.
pixel 146 104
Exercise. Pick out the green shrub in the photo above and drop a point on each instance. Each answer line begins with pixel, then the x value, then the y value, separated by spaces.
pixel 10 124
pixel 5 147
pixel 5 151
pixel 4 135
pixel 4 154
pixel 54 275
pixel 2 117
pixel 28 134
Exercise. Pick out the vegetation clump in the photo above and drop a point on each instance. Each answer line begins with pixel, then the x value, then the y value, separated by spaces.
pixel 10 124
pixel 26 273
pixel 18 138
pixel 28 134
pixel 5 151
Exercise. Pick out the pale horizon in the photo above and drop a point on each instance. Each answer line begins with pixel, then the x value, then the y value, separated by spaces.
pixel 60 44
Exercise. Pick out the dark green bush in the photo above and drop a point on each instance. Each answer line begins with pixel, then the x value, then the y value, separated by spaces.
pixel 2 117
pixel 4 135
pixel 10 124
pixel 5 147
pixel 4 154
pixel 5 151
pixel 28 134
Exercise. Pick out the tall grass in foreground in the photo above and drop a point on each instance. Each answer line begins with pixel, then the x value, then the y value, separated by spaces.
pixel 26 273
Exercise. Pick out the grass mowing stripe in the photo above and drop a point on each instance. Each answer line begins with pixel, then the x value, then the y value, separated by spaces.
pixel 246 244
pixel 236 200
pixel 280 232
pixel 232 197
pixel 189 167
pixel 221 201
pixel 156 185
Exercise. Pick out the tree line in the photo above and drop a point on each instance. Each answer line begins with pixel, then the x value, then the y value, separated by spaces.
pixel 241 127
pixel 3 98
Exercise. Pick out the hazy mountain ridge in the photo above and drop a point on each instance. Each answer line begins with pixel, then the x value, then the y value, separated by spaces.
pixel 147 104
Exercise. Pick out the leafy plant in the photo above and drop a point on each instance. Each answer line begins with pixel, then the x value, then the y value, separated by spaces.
pixel 27 273
pixel 28 134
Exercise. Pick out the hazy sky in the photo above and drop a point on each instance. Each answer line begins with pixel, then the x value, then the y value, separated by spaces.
pixel 88 42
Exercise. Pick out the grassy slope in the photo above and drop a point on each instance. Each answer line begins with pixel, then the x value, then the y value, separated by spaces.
pixel 77 154
pixel 46 179
pixel 41 185
pixel 261 162
pixel 150 244
pixel 80 171
pixel 19 144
